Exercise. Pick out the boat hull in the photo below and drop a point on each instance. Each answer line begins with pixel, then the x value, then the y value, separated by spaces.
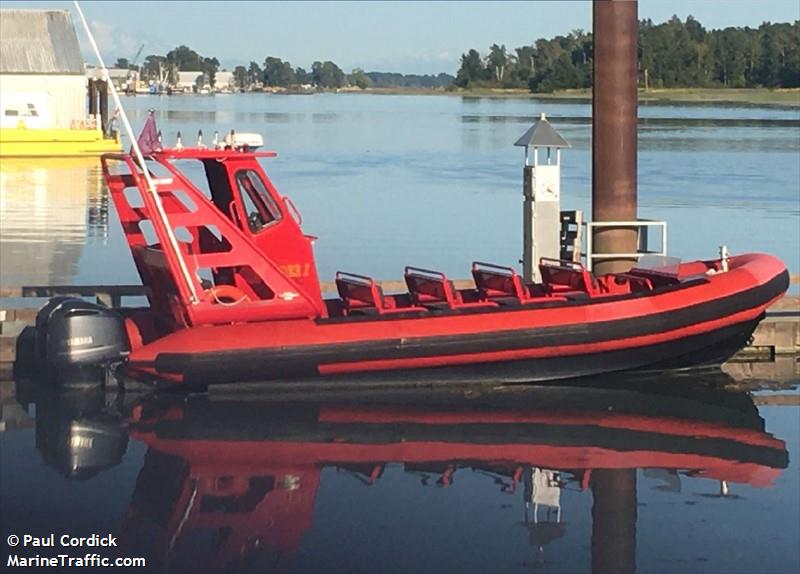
pixel 712 348
pixel 696 323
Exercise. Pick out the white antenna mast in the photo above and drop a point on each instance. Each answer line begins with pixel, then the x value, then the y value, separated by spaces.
pixel 151 186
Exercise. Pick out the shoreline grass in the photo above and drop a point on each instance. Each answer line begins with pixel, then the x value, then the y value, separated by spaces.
pixel 788 97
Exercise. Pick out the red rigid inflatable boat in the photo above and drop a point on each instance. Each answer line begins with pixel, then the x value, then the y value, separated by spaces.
pixel 234 296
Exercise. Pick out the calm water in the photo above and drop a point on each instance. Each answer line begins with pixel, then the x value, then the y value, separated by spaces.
pixel 386 181
pixel 612 476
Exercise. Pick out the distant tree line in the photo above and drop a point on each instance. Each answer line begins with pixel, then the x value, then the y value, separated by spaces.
pixel 674 54
pixel 274 72
pixel 395 80
pixel 165 68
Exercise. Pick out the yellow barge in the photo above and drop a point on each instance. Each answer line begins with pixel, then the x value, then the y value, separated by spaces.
pixel 32 142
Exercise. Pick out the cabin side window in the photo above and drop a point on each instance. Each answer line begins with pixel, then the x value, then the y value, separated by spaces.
pixel 261 210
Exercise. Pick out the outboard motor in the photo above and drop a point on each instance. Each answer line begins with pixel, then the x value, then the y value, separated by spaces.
pixel 76 340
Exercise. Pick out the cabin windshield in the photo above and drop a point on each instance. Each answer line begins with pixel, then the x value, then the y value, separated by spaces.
pixel 261 210
pixel 661 263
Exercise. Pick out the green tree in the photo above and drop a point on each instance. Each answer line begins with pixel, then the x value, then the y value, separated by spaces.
pixel 674 54
pixel 752 52
pixel 553 64
pixel 240 77
pixel 122 63
pixel 359 78
pixel 779 45
pixel 560 76
pixel 278 73
pixel 729 58
pixel 327 75
pixel 186 59
pixel 471 70
pixel 525 65
pixel 694 29
pixel 155 68
pixel 301 76
pixel 498 61
pixel 790 72
pixel 209 68
pixel 582 52
pixel 254 74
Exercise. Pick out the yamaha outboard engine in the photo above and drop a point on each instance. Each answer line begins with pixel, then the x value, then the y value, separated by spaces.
pixel 76 340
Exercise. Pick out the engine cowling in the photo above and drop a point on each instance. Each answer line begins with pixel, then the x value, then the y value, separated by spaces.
pixel 76 335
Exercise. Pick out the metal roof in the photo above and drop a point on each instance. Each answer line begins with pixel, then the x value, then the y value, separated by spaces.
pixel 38 42
pixel 542 134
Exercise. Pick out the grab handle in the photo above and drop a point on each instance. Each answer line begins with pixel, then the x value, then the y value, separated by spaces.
pixel 293 211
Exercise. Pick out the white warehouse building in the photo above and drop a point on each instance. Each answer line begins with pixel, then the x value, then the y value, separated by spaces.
pixel 42 78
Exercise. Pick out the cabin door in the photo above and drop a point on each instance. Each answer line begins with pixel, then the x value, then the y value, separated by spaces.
pixel 261 213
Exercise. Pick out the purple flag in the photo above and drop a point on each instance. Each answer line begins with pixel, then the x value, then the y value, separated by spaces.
pixel 148 138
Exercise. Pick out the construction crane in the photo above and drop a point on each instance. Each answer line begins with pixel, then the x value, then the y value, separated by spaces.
pixel 132 80
pixel 136 57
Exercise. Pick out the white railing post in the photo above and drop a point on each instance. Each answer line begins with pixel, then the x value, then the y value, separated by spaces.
pixel 151 186
pixel 639 225
pixel 589 252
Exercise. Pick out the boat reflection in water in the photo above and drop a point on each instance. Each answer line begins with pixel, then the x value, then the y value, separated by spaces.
pixel 49 207
pixel 78 433
pixel 229 482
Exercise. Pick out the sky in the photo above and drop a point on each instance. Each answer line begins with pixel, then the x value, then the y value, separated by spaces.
pixel 405 37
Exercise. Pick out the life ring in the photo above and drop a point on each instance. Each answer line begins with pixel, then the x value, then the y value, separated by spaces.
pixel 226 295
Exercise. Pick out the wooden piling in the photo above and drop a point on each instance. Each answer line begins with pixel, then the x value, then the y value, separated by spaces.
pixel 103 94
pixel 92 95
pixel 614 137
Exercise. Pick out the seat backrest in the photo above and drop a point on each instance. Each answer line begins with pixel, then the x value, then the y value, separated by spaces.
pixel 566 274
pixel 358 291
pixel 426 286
pixel 163 294
pixel 495 281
